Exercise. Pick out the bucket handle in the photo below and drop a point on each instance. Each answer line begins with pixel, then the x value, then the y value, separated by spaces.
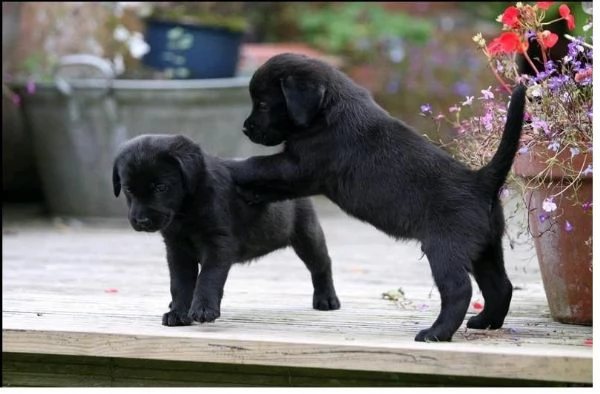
pixel 104 66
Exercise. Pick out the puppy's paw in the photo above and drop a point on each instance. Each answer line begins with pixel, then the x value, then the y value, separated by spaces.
pixel 326 302
pixel 203 314
pixel 176 318
pixel 432 335
pixel 483 322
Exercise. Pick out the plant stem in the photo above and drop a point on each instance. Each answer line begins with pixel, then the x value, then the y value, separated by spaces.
pixel 530 62
pixel 504 85
pixel 571 38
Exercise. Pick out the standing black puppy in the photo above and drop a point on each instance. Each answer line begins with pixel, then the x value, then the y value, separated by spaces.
pixel 340 143
pixel 172 187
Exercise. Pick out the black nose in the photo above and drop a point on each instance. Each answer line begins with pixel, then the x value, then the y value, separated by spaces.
pixel 144 222
pixel 248 125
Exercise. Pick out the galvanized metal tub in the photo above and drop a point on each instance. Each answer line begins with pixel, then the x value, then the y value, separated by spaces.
pixel 78 125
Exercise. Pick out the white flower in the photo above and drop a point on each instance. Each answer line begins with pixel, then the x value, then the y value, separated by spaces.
pixel 468 101
pixel 588 170
pixel 548 205
pixel 137 46
pixel 121 33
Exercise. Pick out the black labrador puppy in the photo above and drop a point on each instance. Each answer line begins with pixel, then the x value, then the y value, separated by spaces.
pixel 340 143
pixel 172 187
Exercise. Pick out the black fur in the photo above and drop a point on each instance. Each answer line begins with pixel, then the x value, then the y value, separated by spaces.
pixel 172 187
pixel 377 169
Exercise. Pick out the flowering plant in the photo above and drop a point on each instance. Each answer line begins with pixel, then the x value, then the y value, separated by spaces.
pixel 558 118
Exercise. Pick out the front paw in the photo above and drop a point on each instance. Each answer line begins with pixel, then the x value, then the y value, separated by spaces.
pixel 326 302
pixel 203 314
pixel 176 318
pixel 432 335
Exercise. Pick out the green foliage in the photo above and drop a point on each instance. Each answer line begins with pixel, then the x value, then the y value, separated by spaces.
pixel 340 28
pixel 228 15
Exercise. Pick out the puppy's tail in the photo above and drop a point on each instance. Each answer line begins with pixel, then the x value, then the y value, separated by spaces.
pixel 495 172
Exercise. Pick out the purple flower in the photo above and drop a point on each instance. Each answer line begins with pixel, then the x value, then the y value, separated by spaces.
pixel 523 150
pixel 530 35
pixel 586 205
pixel 487 93
pixel 31 87
pixel 575 152
pixel 540 124
pixel 487 121
pixel 554 83
pixel 499 66
pixel 568 226
pixel 468 101
pixel 554 146
pixel 573 49
pixel 543 217
pixel 549 66
pixel 426 108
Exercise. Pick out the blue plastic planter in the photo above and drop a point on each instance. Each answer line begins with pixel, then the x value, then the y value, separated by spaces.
pixel 189 51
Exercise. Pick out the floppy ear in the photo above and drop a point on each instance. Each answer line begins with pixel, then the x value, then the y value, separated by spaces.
pixel 116 181
pixel 303 99
pixel 191 161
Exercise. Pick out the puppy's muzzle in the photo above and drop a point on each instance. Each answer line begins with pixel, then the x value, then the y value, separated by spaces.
pixel 142 224
pixel 248 128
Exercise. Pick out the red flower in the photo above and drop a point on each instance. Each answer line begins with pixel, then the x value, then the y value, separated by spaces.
pixel 510 16
pixel 565 13
pixel 548 38
pixel 544 5
pixel 507 42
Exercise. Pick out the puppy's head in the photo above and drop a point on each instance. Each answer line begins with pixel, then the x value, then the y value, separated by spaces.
pixel 156 172
pixel 288 94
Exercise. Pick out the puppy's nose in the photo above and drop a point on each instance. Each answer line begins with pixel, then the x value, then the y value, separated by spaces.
pixel 248 125
pixel 143 222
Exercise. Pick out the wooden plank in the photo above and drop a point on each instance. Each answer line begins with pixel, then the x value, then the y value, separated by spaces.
pixel 52 370
pixel 534 363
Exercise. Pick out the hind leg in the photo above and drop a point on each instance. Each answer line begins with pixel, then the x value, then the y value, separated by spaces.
pixel 491 277
pixel 309 244
pixel 449 268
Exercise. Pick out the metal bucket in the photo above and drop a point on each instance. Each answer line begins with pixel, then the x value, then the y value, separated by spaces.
pixel 77 126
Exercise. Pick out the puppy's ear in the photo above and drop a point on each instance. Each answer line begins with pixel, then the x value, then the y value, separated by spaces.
pixel 303 99
pixel 116 181
pixel 191 161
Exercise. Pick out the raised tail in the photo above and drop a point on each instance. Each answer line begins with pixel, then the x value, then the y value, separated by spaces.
pixel 494 173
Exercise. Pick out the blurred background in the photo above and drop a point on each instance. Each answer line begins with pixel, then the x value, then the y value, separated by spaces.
pixel 156 67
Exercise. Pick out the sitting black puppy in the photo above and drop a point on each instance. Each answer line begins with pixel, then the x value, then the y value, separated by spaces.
pixel 338 142
pixel 172 187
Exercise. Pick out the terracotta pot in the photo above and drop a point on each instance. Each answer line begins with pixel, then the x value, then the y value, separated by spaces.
pixel 565 257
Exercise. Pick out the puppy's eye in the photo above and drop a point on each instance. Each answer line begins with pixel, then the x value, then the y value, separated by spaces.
pixel 262 106
pixel 160 188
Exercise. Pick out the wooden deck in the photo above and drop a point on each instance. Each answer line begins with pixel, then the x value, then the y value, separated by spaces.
pixel 83 300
